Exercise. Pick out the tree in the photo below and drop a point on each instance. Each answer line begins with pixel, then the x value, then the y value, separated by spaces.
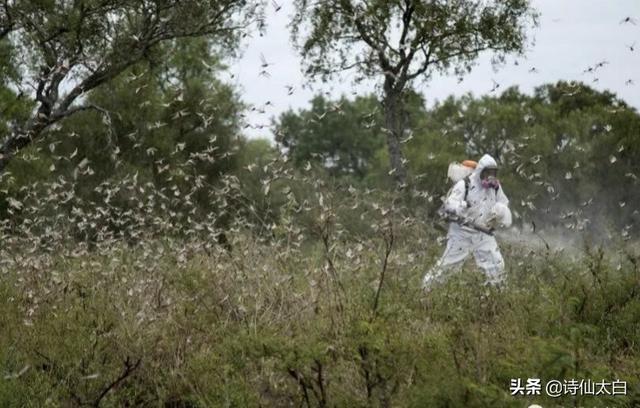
pixel 172 118
pixel 67 49
pixel 13 107
pixel 342 136
pixel 403 40
pixel 568 154
pixel 170 123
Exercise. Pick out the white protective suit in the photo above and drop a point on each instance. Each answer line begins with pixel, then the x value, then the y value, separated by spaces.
pixel 486 207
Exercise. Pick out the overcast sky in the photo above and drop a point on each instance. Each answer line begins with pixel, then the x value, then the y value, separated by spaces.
pixel 572 35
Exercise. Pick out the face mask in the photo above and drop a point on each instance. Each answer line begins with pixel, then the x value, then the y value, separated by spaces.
pixel 490 182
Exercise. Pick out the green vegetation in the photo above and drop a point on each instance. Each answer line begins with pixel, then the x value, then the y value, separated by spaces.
pixel 280 321
pixel 152 255
pixel 568 153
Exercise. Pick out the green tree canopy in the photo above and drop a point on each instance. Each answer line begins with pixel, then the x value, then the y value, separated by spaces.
pixel 166 133
pixel 404 40
pixel 342 136
pixel 568 153
pixel 67 49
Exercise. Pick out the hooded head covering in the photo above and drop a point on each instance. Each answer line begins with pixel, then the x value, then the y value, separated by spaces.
pixel 486 162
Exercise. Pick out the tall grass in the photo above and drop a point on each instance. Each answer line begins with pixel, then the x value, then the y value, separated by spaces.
pixel 172 323
pixel 313 300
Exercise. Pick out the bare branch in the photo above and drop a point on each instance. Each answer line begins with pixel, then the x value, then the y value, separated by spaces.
pixel 406 24
pixel 72 111
pixel 129 368
pixel 388 242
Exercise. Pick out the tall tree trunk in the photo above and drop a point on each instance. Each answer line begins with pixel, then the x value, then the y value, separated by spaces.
pixel 394 123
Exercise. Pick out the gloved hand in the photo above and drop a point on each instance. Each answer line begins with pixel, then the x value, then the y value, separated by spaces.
pixel 449 210
pixel 457 210
pixel 500 216
pixel 492 222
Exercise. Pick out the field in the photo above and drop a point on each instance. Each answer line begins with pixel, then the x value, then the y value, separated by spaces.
pixel 310 317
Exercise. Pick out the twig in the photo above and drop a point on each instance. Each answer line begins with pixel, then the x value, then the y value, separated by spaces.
pixel 128 369
pixel 320 380
pixel 302 383
pixel 388 240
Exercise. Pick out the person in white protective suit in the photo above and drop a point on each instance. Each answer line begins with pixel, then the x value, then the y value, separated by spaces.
pixel 475 206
